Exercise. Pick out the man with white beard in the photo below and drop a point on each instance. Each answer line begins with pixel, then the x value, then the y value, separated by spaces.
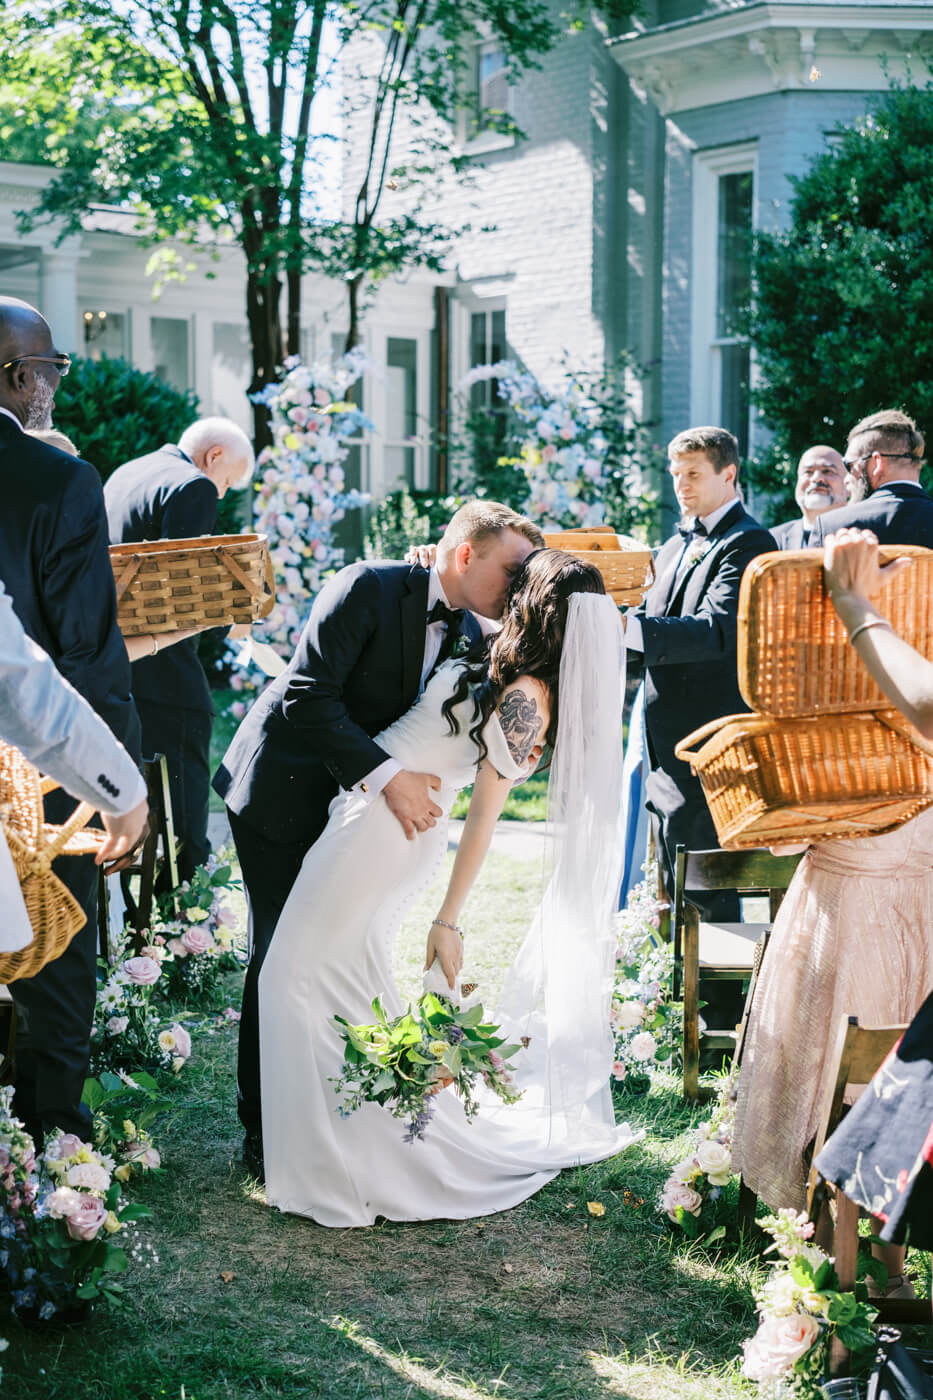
pixel 55 565
pixel 821 486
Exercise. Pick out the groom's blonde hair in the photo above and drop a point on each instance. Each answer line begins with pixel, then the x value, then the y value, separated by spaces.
pixel 480 521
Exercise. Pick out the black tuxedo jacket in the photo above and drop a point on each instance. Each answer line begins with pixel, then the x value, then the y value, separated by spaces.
pixel 791 535
pixel 163 496
pixel 56 568
pixel 689 633
pixel 898 514
pixel 357 668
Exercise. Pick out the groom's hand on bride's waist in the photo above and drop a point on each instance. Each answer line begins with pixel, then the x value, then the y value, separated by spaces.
pixel 410 801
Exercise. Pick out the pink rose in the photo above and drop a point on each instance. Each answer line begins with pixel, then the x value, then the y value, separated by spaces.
pixel 225 916
pixel 68 1145
pixel 142 971
pixel 618 1070
pixel 777 1345
pixel 85 1221
pixel 176 946
pixel 196 940
pixel 677 1195
pixel 142 1155
pixel 182 1041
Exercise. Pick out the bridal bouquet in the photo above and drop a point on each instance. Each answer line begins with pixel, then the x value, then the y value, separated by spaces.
pixel 402 1063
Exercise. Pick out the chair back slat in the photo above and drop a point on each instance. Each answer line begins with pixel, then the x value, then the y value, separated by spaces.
pixel 751 871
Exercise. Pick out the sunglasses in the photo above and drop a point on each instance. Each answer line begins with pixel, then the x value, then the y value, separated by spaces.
pixel 850 462
pixel 61 362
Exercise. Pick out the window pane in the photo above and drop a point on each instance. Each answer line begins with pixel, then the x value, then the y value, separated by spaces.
pixel 491 69
pixel 170 350
pixel 401 389
pixel 104 334
pixel 497 341
pixel 735 248
pixel 399 466
pixel 231 368
pixel 734 396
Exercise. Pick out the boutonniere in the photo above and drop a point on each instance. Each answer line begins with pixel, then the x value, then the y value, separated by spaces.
pixel 698 550
pixel 461 647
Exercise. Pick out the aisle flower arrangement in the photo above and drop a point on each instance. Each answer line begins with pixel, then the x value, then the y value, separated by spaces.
pixel 196 944
pixel 692 1197
pixel 127 1032
pixel 124 1109
pixel 302 495
pixel 60 1214
pixel 800 1310
pixel 646 1022
pixel 401 1062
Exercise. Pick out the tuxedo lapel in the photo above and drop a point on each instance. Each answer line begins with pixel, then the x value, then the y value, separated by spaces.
pixel 693 581
pixel 413 614
pixel 658 599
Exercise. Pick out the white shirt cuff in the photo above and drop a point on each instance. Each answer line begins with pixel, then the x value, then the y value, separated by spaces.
pixel 634 640
pixel 371 786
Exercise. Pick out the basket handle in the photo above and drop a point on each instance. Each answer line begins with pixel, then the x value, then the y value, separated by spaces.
pixel 80 817
pixel 683 750
pixel 896 721
pixel 123 582
pixel 651 575
pixel 232 567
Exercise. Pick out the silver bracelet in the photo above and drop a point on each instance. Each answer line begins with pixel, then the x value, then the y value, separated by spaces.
pixel 454 928
pixel 155 645
pixel 872 622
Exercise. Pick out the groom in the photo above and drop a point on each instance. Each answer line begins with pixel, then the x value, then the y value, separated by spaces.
pixel 375 633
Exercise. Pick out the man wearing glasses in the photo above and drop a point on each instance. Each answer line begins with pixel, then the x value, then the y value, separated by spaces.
pixel 883 457
pixel 55 565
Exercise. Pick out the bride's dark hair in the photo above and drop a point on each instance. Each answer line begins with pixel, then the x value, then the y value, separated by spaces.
pixel 531 638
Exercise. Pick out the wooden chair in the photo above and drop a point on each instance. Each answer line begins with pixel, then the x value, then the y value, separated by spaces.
pixel 859 1053
pixel 150 864
pixel 720 951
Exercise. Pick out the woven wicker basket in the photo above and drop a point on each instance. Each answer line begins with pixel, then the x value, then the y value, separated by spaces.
pixel 794 653
pixel 171 585
pixel 625 564
pixel 768 781
pixel 55 914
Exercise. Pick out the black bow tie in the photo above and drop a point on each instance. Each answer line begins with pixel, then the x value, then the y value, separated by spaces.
pixel 442 613
pixel 695 531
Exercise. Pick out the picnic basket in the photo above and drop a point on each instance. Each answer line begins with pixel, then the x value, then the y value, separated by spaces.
pixel 625 564
pixel 173 585
pixel 55 914
pixel 824 757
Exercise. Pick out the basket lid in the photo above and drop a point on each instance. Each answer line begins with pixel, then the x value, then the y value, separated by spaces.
pixel 794 654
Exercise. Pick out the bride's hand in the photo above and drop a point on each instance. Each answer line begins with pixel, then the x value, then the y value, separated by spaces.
pixel 447 946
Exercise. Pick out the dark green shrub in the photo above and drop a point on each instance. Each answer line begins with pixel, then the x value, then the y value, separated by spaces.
pixel 113 412
pixel 842 324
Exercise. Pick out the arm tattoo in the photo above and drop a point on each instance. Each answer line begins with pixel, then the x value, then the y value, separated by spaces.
pixel 518 715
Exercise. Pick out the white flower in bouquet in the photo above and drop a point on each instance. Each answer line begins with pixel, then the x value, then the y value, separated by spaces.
pixel 780 1295
pixel 88 1176
pixel 715 1160
pixel 116 1025
pixel 687 1170
pixel 630 1014
pixel 777 1345
pixel 643 1046
pixel 677 1195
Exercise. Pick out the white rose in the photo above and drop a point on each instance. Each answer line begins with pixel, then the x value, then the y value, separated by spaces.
pixel 715 1160
pixel 644 1046
pixel 777 1345
pixel 630 1014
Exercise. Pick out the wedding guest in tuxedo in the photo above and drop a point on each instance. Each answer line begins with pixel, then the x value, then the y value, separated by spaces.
pixel 172 494
pixel 375 633
pixel 884 455
pixel 56 568
pixel 821 486
pixel 686 627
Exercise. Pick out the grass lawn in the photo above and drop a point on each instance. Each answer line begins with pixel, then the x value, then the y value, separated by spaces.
pixel 540 1303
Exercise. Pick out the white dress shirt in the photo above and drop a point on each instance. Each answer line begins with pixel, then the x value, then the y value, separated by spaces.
pixel 372 784
pixel 634 640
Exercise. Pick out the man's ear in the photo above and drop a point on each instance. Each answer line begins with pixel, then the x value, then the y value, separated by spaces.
pixel 462 556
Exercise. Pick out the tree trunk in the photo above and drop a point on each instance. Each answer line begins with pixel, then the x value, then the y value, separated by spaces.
pixel 293 324
pixel 263 290
pixel 354 287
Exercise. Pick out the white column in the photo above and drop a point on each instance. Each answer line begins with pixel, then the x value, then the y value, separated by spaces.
pixel 58 293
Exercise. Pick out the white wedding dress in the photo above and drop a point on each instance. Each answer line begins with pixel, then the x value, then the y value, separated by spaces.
pixel 332 953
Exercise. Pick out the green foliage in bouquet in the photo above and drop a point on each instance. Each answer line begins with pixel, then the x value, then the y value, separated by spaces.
pixel 125 1109
pixel 196 944
pixel 401 1063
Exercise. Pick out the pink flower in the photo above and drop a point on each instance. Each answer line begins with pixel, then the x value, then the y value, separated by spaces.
pixel 142 971
pixel 238 709
pixel 618 1070
pixel 225 916
pixel 196 940
pixel 176 946
pixel 678 1196
pixel 777 1345
pixel 142 1155
pixel 230 1014
pixel 68 1145
pixel 85 1221
pixel 182 1041
pixel 496 1060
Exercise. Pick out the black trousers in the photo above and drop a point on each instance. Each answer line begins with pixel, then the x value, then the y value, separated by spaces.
pixel 184 736
pixel 55 1012
pixel 269 869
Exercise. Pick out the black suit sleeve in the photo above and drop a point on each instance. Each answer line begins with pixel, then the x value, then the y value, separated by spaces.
pixel 80 607
pixel 344 618
pixel 710 633
pixel 191 510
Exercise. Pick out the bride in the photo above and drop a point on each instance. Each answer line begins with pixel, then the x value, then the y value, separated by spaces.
pixel 555 674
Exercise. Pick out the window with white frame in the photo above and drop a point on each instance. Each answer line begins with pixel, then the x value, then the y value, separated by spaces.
pixel 492 88
pixel 721 285
pixel 105 333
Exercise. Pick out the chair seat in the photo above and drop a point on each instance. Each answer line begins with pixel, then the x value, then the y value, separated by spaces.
pixel 728 950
